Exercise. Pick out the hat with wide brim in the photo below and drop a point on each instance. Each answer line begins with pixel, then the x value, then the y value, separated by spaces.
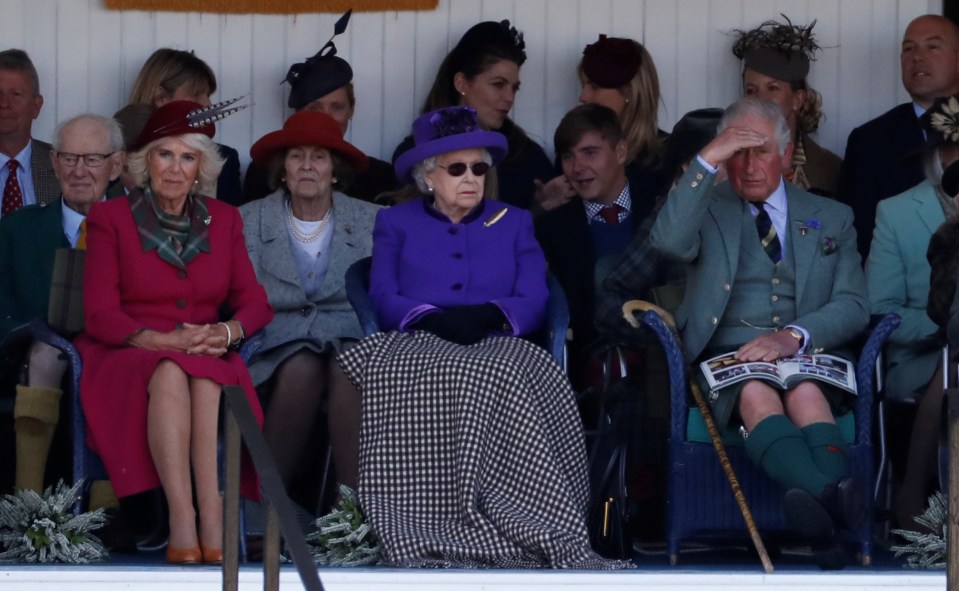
pixel 309 128
pixel 447 130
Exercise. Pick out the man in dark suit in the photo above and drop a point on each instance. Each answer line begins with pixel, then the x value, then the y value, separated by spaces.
pixel 32 179
pixel 583 238
pixel 87 155
pixel 772 271
pixel 877 162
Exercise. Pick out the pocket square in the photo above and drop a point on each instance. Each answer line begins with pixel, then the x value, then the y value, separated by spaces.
pixel 828 246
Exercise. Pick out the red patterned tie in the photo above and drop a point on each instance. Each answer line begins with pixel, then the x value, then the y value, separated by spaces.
pixel 12 196
pixel 611 213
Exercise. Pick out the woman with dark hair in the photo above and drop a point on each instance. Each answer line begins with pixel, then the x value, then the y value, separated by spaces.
pixel 776 60
pixel 482 72
pixel 472 451
pixel 177 75
pixel 301 239
pixel 169 291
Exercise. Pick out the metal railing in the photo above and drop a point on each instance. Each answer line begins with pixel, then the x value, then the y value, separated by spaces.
pixel 240 424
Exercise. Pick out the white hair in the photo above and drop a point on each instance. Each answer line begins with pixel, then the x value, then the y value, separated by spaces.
pixel 761 109
pixel 109 124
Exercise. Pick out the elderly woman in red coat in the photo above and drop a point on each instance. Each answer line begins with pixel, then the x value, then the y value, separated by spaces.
pixel 169 290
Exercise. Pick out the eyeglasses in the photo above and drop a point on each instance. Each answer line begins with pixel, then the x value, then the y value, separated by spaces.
pixel 459 168
pixel 91 160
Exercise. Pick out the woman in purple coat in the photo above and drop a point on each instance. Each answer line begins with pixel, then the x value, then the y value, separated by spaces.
pixel 471 451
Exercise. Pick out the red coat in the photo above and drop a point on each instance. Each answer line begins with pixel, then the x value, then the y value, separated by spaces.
pixel 126 289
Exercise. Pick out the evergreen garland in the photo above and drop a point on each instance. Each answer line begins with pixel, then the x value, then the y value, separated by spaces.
pixel 35 528
pixel 343 537
pixel 927 549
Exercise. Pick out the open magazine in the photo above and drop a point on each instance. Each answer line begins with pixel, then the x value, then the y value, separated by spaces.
pixel 724 370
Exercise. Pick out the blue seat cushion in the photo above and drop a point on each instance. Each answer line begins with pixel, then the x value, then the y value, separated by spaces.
pixel 696 429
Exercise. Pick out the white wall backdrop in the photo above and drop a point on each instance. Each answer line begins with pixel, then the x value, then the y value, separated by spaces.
pixel 88 56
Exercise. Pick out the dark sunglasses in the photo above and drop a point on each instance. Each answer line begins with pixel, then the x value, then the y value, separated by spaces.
pixel 459 168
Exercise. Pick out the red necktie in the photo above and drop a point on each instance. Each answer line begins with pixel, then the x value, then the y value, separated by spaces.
pixel 611 213
pixel 12 196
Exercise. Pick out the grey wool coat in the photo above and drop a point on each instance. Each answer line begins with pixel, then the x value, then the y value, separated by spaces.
pixel 324 321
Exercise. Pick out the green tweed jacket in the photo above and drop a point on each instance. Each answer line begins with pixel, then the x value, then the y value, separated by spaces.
pixel 29 237
pixel 700 225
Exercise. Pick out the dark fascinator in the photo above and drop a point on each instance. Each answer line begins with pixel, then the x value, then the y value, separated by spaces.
pixel 321 74
pixel 183 117
pixel 485 35
pixel 777 50
pixel 447 130
pixel 611 62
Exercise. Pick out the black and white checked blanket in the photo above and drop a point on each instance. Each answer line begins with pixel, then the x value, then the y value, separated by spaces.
pixel 470 456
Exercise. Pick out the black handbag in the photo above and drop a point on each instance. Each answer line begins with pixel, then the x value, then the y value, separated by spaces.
pixel 609 511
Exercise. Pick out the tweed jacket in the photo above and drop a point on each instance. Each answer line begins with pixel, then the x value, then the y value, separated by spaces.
pixel 876 165
pixel 897 278
pixel 324 319
pixel 822 168
pixel 701 225
pixel 45 182
pixel 29 237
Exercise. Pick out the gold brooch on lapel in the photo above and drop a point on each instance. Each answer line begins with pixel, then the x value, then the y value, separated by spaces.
pixel 495 218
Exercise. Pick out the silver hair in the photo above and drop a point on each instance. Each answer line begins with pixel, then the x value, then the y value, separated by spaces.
pixel 760 109
pixel 210 161
pixel 113 129
pixel 421 169
pixel 428 165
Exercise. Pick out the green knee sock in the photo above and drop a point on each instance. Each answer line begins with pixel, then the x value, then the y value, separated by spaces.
pixel 828 449
pixel 778 447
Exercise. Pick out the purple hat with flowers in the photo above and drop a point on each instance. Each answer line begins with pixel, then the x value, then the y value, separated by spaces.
pixel 447 130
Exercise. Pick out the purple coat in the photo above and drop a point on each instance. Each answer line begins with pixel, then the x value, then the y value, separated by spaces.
pixel 421 261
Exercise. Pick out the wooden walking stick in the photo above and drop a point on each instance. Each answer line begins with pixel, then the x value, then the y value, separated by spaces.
pixel 629 313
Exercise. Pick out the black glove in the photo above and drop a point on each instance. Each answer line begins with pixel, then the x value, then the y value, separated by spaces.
pixel 466 325
pixel 463 325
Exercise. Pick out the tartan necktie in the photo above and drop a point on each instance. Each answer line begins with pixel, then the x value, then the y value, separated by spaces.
pixel 12 195
pixel 610 214
pixel 767 234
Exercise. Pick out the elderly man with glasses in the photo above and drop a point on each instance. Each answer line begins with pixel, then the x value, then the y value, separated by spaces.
pixel 87 154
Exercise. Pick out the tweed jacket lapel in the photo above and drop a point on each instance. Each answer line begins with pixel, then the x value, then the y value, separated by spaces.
pixel 726 209
pixel 277 260
pixel 805 229
pixel 46 187
pixel 343 241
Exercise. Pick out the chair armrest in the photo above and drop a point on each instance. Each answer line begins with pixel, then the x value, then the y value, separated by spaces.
pixel 251 346
pixel 357 292
pixel 866 373
pixel 557 321
pixel 676 363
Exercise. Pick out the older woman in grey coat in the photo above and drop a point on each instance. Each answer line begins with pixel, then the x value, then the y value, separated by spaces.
pixel 301 239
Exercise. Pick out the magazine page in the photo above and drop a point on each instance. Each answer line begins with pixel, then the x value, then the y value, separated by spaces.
pixel 826 368
pixel 723 370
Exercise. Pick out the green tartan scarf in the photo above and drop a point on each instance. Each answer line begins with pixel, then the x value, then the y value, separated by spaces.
pixel 177 239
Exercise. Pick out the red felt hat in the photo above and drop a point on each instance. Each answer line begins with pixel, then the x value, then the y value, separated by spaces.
pixel 308 128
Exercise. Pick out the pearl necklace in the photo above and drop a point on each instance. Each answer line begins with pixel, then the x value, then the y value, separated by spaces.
pixel 312 236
